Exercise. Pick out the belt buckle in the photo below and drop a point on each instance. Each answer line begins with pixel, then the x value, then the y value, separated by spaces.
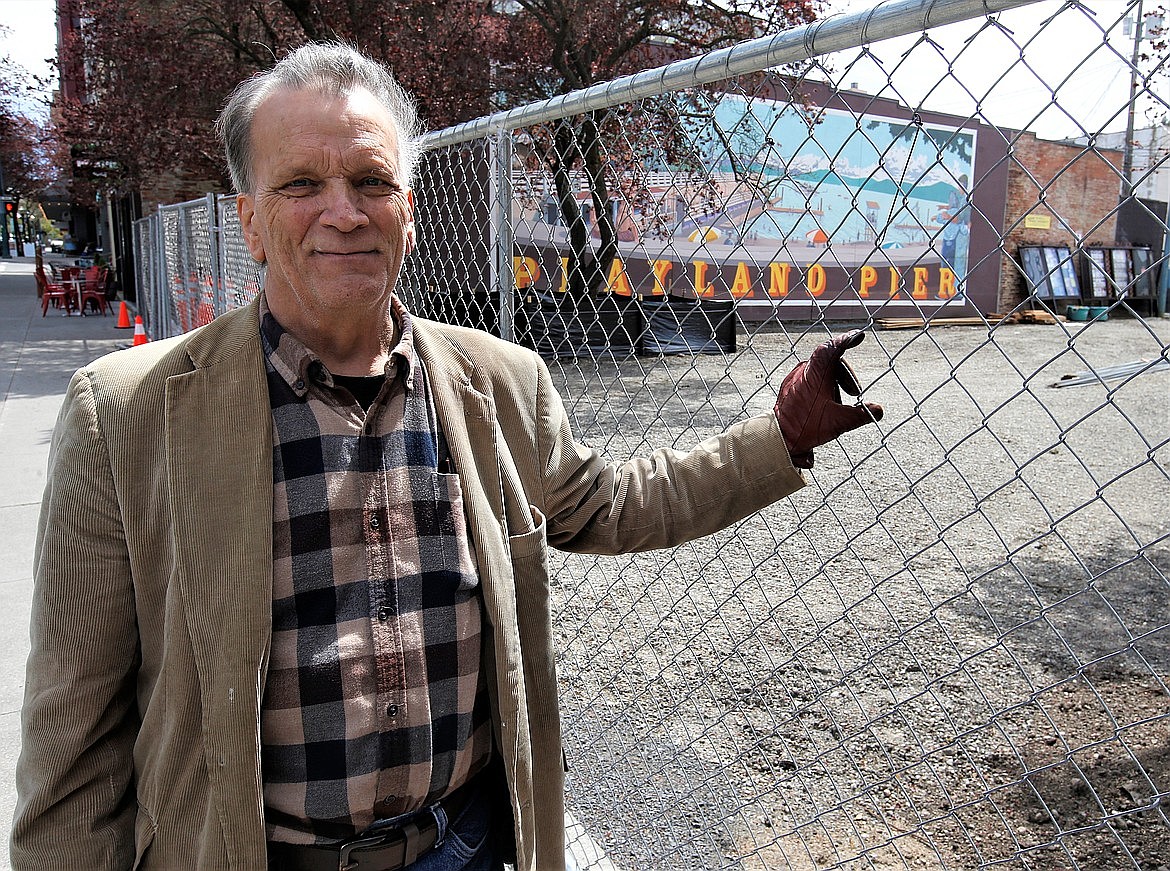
pixel 358 843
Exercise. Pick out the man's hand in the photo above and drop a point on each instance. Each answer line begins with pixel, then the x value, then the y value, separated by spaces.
pixel 809 406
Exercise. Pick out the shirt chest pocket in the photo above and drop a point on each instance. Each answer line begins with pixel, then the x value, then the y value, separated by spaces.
pixel 428 533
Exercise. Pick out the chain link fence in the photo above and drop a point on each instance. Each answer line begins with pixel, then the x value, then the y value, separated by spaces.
pixel 192 265
pixel 951 650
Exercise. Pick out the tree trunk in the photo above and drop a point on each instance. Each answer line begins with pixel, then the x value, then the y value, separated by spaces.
pixel 584 275
pixel 595 167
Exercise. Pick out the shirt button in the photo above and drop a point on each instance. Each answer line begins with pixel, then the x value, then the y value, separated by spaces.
pixel 300 385
pixel 391 711
pixel 375 522
pixel 383 614
pixel 390 799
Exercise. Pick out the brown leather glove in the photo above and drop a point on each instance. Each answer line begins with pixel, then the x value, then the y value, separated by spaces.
pixel 809 405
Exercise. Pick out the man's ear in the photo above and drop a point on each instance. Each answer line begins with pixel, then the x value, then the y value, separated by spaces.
pixel 246 209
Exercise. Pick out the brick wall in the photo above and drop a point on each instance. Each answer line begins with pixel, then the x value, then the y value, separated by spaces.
pixel 165 190
pixel 1076 189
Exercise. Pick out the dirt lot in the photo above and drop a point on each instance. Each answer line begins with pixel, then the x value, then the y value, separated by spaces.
pixel 950 650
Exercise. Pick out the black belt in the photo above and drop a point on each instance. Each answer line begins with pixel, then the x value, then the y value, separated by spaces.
pixel 380 850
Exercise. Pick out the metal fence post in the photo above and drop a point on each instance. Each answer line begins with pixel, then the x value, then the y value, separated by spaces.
pixel 502 236
pixel 161 329
pixel 214 232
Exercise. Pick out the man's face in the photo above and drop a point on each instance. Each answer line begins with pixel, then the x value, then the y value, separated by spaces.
pixel 329 213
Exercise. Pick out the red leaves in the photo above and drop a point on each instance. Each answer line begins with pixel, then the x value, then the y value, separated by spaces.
pixel 27 146
pixel 157 74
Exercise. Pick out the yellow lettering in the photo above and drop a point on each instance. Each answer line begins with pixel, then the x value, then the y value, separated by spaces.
pixel 525 271
pixel 618 282
pixel 778 283
pixel 868 280
pixel 742 286
pixel 920 288
pixel 895 282
pixel 661 268
pixel 702 288
pixel 564 276
pixel 946 283
pixel 815 280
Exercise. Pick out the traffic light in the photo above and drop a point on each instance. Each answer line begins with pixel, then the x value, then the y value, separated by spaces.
pixel 9 207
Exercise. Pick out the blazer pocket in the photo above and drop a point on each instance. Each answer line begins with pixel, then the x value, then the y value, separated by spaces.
pixel 534 620
pixel 530 550
pixel 531 579
pixel 144 831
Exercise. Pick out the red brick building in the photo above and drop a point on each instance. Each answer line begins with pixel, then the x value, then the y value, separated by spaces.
pixel 1057 194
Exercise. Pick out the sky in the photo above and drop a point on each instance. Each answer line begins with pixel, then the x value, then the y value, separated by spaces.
pixel 32 36
pixel 1068 46
pixel 1083 56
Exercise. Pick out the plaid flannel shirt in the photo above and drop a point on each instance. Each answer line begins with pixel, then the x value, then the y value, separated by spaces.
pixel 375 703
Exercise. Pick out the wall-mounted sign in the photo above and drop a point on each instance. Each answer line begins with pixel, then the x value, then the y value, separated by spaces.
pixel 1038 222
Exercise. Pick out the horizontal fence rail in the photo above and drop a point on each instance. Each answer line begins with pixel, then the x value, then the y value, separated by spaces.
pixel 950 650
pixel 884 21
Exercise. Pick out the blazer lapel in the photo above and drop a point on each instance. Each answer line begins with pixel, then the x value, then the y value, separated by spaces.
pixel 219 458
pixel 467 415
pixel 219 465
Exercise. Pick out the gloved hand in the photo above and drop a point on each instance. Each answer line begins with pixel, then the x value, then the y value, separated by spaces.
pixel 809 406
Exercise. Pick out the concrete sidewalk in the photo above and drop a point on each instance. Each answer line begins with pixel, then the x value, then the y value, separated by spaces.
pixel 37 357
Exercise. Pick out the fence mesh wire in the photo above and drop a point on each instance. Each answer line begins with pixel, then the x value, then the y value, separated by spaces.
pixel 951 649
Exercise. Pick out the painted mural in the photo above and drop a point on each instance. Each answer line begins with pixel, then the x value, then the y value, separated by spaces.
pixel 835 181
pixel 794 205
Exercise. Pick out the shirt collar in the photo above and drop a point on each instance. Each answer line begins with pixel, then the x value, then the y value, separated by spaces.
pixel 298 365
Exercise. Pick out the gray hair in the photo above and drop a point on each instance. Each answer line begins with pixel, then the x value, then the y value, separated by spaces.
pixel 328 68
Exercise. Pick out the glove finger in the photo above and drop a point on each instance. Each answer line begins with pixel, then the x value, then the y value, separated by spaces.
pixel 825 355
pixel 844 418
pixel 847 378
pixel 842 343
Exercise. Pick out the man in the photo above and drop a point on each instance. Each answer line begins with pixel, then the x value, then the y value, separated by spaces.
pixel 291 603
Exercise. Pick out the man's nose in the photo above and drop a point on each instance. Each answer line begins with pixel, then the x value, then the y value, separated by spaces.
pixel 342 207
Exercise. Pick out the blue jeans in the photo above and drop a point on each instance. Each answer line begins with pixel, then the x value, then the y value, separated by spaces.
pixel 465 843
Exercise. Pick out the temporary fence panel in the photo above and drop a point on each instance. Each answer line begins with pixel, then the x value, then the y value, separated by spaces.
pixel 951 649
pixel 241 274
pixel 146 264
pixel 192 265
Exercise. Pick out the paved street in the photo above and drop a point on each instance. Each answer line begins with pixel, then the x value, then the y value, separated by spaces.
pixel 37 356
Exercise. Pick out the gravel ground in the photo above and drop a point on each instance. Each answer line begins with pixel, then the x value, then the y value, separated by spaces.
pixel 951 650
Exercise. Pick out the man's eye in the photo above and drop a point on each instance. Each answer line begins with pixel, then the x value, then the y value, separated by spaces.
pixel 299 184
pixel 372 181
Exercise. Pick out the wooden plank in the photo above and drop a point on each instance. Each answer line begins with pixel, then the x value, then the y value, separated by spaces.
pixel 1027 316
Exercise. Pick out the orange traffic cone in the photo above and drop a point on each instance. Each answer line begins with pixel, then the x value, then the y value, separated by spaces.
pixel 123 317
pixel 139 332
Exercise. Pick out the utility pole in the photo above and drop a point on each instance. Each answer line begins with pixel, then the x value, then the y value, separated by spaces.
pixel 1127 161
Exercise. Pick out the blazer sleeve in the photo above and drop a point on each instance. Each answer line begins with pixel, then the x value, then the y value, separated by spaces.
pixel 76 806
pixel 663 500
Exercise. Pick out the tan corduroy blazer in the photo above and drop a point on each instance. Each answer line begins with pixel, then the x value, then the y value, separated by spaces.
pixel 152 604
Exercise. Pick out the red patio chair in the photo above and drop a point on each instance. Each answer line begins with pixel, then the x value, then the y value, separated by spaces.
pixel 94 289
pixel 58 294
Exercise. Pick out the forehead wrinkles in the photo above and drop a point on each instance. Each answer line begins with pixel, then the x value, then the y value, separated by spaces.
pixel 339 132
pixel 333 156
